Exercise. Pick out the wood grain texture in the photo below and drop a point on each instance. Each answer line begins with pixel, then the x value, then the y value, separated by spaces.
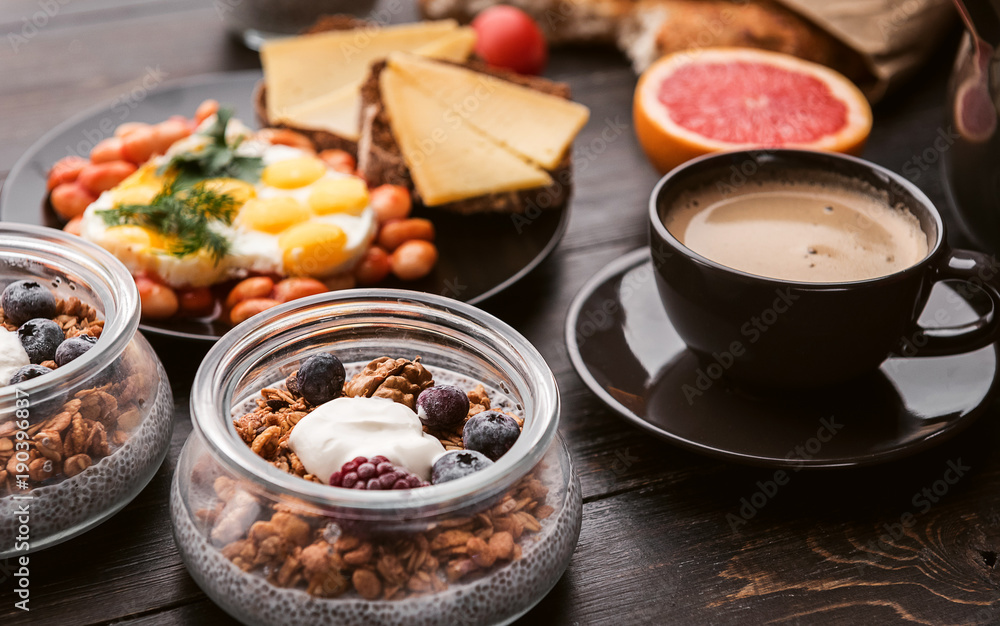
pixel 659 542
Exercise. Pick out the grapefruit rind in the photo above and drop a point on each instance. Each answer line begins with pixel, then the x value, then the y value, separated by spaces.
pixel 667 144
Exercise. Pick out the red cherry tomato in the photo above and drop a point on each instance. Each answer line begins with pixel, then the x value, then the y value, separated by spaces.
pixel 507 37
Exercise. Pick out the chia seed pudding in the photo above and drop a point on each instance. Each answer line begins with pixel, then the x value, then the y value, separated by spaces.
pixel 86 411
pixel 476 507
pixel 63 508
pixel 497 597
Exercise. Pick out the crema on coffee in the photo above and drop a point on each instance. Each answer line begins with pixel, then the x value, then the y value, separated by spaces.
pixel 801 231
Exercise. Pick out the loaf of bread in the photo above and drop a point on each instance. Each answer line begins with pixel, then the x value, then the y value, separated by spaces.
pixel 648 29
pixel 657 27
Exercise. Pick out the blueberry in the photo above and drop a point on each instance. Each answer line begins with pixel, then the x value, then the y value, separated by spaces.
pixel 456 464
pixel 27 373
pixel 490 432
pixel 27 299
pixel 71 349
pixel 442 407
pixel 40 338
pixel 321 378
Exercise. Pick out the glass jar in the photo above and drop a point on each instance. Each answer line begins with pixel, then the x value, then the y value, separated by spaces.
pixel 77 444
pixel 270 547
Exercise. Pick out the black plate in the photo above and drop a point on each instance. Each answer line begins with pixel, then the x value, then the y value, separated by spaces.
pixel 480 255
pixel 624 348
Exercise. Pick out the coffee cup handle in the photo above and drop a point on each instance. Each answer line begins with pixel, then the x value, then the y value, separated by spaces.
pixel 977 269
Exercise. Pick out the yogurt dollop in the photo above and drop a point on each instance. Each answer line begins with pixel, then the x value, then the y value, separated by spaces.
pixel 12 355
pixel 345 428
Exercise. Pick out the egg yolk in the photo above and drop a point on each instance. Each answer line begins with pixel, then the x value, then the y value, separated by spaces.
pixel 135 237
pixel 134 194
pixel 144 176
pixel 273 215
pixel 293 173
pixel 239 190
pixel 341 195
pixel 313 249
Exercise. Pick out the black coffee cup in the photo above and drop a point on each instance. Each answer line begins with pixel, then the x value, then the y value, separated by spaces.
pixel 782 333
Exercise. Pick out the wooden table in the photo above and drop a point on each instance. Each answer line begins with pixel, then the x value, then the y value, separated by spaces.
pixel 656 546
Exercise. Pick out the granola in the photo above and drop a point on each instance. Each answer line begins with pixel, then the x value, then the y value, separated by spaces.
pixel 294 548
pixel 73 315
pixel 81 430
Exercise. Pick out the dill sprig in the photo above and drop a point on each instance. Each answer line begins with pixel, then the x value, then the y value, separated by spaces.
pixel 217 159
pixel 183 215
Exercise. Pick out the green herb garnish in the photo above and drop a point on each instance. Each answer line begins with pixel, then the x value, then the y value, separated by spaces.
pixel 216 160
pixel 182 214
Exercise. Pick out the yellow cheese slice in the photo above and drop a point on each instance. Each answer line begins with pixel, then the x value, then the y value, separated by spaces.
pixel 298 69
pixel 339 112
pixel 447 158
pixel 456 45
pixel 538 126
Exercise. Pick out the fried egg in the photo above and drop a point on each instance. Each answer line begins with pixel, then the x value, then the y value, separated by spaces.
pixel 302 218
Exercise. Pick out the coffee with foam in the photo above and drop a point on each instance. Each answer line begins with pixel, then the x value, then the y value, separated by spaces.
pixel 816 232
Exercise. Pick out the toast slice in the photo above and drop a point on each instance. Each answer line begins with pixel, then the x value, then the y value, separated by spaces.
pixel 381 158
pixel 327 109
pixel 322 139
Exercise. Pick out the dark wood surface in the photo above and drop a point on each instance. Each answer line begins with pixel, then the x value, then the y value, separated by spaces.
pixel 656 545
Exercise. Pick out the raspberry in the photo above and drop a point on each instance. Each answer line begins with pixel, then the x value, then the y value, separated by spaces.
pixel 374 473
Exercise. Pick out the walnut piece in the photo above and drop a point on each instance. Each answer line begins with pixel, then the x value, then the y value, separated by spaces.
pixel 399 380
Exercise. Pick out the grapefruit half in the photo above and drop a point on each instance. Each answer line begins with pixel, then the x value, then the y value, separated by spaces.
pixel 694 102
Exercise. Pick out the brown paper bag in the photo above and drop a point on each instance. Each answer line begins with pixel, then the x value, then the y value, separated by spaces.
pixel 894 37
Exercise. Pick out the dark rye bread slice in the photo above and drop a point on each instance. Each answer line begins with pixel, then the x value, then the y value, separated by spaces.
pixel 381 162
pixel 322 139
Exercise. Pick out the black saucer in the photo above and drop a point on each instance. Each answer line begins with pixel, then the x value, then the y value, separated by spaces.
pixel 624 348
